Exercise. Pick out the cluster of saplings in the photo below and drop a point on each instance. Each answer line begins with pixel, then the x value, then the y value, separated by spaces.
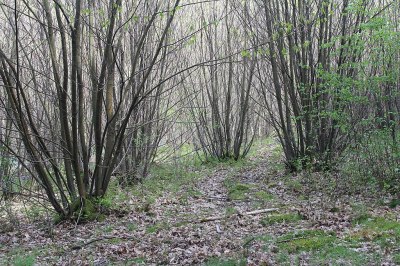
pixel 92 89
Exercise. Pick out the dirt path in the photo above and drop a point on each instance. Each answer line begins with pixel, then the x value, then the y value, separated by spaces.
pixel 167 229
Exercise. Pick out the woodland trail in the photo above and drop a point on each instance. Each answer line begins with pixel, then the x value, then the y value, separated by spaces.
pixel 168 228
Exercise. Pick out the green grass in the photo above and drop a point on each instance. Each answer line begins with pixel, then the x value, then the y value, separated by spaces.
pixel 237 191
pixel 263 195
pixel 156 227
pixel 137 261
pixel 229 211
pixel 167 178
pixel 293 184
pixel 341 255
pixel 382 231
pixel 21 260
pixel 280 218
pixel 108 229
pixel 307 240
pixel 21 257
pixel 396 259
pixel 374 163
pixel 322 248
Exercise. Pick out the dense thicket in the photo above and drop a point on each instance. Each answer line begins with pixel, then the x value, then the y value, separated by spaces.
pixel 92 89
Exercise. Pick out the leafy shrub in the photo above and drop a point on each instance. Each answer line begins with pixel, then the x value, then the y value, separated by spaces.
pixel 375 160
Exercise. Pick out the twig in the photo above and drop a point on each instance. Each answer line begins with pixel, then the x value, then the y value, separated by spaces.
pixel 78 247
pixel 215 218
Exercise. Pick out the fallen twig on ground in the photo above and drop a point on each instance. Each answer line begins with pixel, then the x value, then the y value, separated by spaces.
pixel 215 218
pixel 77 247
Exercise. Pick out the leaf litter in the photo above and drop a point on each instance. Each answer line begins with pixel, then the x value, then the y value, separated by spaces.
pixel 170 231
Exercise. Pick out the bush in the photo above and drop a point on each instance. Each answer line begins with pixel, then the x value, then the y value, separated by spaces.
pixel 376 160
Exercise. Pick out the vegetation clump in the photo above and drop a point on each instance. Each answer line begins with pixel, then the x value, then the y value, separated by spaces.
pixel 306 240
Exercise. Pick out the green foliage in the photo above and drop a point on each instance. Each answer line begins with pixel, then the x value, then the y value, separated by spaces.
pixel 340 255
pixel 22 260
pixel 381 224
pixel 156 227
pixel 132 227
pixel 293 184
pixel 237 191
pixel 137 261
pixel 384 232
pixel 108 229
pixel 396 259
pixel 307 240
pixel 230 211
pixel 360 213
pixel 394 203
pixel 245 54
pixel 283 258
pixel 169 177
pixel 263 195
pixel 86 210
pixel 35 212
pixel 374 161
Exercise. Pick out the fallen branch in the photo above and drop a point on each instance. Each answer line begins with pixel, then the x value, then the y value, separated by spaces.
pixel 215 218
pixel 261 211
pixel 78 247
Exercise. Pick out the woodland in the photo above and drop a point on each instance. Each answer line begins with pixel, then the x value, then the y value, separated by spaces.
pixel 199 132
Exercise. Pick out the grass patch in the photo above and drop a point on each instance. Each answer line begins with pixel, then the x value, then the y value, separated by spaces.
pixel 20 257
pixel 308 240
pixel 137 261
pixel 156 228
pixel 263 195
pixel 396 259
pixel 21 260
pixel 280 218
pixel 342 255
pixel 384 232
pixel 294 184
pixel 108 229
pixel 230 211
pixel 238 191
pixel 167 178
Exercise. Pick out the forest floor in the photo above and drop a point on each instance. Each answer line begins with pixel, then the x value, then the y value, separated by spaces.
pixel 220 214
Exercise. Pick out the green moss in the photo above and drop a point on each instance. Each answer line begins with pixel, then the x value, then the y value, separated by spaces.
pixel 22 260
pixel 86 210
pixel 230 211
pixel 283 258
pixel 238 191
pixel 294 185
pixel 137 261
pixel 167 178
pixel 381 224
pixel 308 240
pixel 262 195
pixel 131 227
pixel 342 255
pixel 280 218
pixel 384 232
pixel 156 227
pixel 108 229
